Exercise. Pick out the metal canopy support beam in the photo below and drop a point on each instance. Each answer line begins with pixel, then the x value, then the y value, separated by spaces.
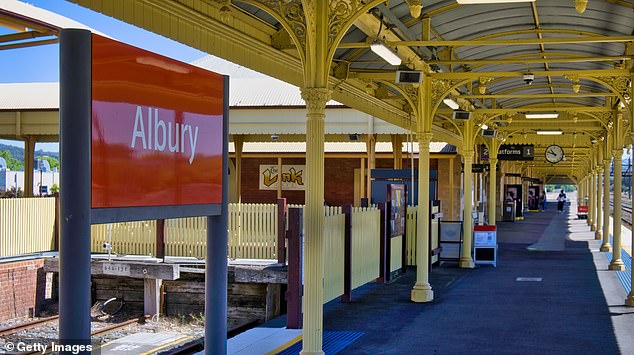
pixel 390 75
pixel 74 248
pixel 216 262
pixel 499 42
pixel 580 59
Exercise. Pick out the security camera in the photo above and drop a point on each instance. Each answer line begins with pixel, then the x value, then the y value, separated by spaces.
pixel 107 246
pixel 529 78
pixel 274 137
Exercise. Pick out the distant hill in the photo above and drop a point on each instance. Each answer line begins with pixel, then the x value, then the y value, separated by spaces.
pixel 18 153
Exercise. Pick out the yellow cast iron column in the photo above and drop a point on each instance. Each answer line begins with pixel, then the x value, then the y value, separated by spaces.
pixel 599 214
pixel 371 150
pixel 592 184
pixel 397 151
pixel 617 263
pixel 422 291
pixel 605 246
pixel 316 99
pixel 492 189
pixel 466 261
pixel 494 147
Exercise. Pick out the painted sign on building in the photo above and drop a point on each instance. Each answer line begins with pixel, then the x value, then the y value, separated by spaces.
pixel 157 129
pixel 292 177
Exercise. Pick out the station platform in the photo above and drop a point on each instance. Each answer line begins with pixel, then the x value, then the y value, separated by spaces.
pixel 551 292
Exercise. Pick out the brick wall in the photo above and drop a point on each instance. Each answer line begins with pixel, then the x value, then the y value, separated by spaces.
pixel 338 175
pixel 23 289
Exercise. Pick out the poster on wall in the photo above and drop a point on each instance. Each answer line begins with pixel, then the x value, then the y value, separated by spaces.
pixel 398 199
pixel 514 193
pixel 533 198
pixel 292 177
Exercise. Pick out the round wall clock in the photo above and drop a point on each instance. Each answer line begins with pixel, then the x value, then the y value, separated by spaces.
pixel 554 154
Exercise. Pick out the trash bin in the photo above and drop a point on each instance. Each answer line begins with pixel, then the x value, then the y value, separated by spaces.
pixel 509 212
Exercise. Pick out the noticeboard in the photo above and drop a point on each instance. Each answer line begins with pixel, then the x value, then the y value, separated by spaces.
pixel 484 236
pixel 157 135
pixel 397 196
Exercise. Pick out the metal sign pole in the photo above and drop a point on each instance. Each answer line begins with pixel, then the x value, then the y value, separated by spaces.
pixel 74 248
pixel 216 270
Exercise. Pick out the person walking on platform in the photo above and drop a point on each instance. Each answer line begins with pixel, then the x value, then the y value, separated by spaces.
pixel 542 201
pixel 561 200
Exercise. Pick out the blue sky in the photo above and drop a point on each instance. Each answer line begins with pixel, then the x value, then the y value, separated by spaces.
pixel 41 63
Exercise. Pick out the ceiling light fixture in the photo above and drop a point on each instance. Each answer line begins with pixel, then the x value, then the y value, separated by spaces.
pixel 451 103
pixel 472 2
pixel 484 126
pixel 550 133
pixel 542 115
pixel 380 49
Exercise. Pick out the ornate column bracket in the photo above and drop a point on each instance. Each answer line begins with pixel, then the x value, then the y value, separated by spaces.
pixel 315 98
pixel 290 13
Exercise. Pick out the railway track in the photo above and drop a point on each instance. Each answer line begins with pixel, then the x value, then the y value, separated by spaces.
pixel 37 323
pixel 26 326
pixel 626 208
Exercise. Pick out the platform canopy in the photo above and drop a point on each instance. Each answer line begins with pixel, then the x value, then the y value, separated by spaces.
pixel 580 56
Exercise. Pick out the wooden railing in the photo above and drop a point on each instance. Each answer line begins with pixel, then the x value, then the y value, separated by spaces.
pixel 412 214
pixel 334 246
pixel 186 237
pixel 365 245
pixel 27 225
pixel 133 238
pixel 252 234
pixel 252 231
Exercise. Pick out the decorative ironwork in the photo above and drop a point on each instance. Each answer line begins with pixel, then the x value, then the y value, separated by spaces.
pixel 341 11
pixel 440 88
pixel 289 11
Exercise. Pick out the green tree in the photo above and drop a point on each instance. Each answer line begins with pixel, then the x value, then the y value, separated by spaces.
pixel 12 163
pixel 54 163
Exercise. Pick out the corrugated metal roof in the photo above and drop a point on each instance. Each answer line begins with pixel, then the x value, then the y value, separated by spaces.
pixel 335 147
pixel 467 22
pixel 29 96
pixel 249 88
pixel 262 92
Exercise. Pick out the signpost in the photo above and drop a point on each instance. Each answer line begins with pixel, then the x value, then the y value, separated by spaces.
pixel 516 152
pixel 142 136
pixel 480 168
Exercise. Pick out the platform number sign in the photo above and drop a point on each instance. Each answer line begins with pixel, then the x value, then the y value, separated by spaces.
pixel 516 152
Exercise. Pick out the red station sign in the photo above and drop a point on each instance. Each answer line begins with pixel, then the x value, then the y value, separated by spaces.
pixel 157 129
